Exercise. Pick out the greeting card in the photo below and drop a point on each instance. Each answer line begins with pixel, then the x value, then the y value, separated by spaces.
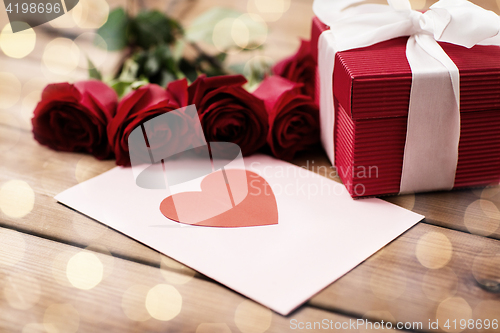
pixel 280 239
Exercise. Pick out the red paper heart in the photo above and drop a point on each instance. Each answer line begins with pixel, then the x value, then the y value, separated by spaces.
pixel 258 208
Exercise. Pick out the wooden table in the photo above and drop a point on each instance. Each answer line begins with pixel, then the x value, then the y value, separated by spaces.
pixel 446 267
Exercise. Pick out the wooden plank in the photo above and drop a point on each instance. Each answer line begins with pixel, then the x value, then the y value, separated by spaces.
pixel 48 172
pixel 49 286
pixel 473 211
pixel 429 273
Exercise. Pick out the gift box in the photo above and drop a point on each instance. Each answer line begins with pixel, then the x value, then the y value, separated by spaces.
pixel 371 96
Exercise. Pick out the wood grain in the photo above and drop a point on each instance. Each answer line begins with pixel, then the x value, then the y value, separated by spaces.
pixel 49 172
pixel 445 267
pixel 38 279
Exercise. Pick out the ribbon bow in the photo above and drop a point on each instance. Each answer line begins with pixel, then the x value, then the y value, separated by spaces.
pixel 435 92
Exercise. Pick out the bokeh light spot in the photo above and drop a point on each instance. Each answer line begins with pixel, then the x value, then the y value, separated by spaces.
pixel 251 317
pixel 90 14
pixel 17 45
pixel 482 217
pixel 84 270
pixel 270 10
pixel 16 198
pixel 434 250
pixel 61 56
pixel 163 302
pixel 454 308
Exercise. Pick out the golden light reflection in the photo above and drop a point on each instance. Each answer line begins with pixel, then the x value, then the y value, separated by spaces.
pixel 10 90
pixel 84 169
pixel 175 272
pixel 251 317
pixel 60 318
pixel 388 282
pixel 482 217
pixel 439 284
pixel 17 45
pixel 63 22
pixel 257 31
pixel 84 270
pixel 213 328
pixel 163 302
pixel 454 308
pixel 270 10
pixel 488 192
pixel 134 303
pixel 17 198
pixel 222 36
pixel 434 250
pixel 486 311
pixel 21 290
pixel 61 56
pixel 90 14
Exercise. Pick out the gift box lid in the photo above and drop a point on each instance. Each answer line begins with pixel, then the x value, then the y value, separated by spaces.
pixel 375 81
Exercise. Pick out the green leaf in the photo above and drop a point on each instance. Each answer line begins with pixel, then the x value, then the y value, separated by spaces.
pixel 151 28
pixel 178 49
pixel 124 87
pixel 237 68
pixel 129 71
pixel 202 27
pixel 114 31
pixel 94 73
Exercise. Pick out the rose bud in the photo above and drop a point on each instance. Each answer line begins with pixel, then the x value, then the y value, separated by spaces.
pixel 134 110
pixel 229 113
pixel 293 117
pixel 300 68
pixel 73 117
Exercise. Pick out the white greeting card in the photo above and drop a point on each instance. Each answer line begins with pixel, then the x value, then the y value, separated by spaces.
pixel 293 234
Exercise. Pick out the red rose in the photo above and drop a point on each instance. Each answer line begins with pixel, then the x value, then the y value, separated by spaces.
pixel 136 108
pixel 293 118
pixel 228 112
pixel 300 68
pixel 73 117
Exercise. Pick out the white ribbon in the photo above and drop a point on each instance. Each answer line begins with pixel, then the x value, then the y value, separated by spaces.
pixel 433 132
